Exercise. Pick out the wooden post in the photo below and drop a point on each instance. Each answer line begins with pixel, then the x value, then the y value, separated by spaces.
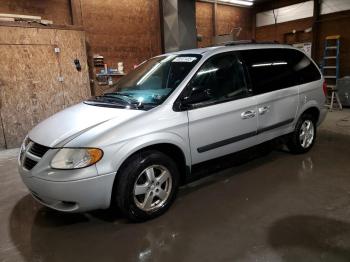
pixel 253 25
pixel 76 12
pixel 215 8
pixel 315 27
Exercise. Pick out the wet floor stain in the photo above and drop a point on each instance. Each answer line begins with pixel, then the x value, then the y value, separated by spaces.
pixel 260 205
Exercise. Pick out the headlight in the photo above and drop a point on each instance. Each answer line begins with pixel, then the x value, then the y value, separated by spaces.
pixel 72 158
pixel 25 142
pixel 24 145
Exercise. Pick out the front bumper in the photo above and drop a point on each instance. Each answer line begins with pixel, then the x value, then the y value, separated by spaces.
pixel 72 196
pixel 74 190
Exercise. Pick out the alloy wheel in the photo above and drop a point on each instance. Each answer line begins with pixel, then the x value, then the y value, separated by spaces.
pixel 152 188
pixel 307 134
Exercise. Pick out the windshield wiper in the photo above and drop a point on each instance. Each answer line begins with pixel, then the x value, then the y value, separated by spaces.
pixel 126 97
pixel 113 98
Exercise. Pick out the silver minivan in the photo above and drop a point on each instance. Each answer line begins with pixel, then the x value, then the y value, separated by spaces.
pixel 135 144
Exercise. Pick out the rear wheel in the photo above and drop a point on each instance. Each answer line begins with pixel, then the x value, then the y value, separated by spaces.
pixel 147 185
pixel 304 135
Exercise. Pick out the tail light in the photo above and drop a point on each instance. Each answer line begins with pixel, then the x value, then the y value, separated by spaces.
pixel 325 91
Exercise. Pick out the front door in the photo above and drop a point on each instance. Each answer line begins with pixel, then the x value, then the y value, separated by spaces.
pixel 223 114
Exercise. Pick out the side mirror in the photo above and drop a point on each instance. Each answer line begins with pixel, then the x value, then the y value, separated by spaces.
pixel 197 95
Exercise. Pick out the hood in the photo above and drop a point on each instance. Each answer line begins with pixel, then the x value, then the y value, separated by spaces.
pixel 65 125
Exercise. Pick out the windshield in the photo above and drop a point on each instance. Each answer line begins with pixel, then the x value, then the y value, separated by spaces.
pixel 150 83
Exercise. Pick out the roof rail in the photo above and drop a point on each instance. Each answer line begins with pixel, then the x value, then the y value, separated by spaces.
pixel 243 42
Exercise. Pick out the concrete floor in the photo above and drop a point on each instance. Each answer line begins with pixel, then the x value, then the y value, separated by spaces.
pixel 274 207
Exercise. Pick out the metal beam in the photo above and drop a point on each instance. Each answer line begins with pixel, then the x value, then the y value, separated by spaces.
pixel 179 24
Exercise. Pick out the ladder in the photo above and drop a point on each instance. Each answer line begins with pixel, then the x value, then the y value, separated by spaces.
pixel 330 69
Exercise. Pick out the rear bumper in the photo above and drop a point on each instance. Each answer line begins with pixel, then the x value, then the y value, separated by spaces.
pixel 323 114
pixel 72 196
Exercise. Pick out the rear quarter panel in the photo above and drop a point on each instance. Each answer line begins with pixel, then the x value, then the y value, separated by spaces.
pixel 311 95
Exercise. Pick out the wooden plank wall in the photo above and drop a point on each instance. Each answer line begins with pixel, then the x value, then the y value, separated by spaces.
pixel 277 32
pixel 122 31
pixel 30 90
pixel 231 16
pixel 227 18
pixel 204 23
pixel 56 10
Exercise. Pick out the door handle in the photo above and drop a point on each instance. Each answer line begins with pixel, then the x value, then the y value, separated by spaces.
pixel 248 114
pixel 264 109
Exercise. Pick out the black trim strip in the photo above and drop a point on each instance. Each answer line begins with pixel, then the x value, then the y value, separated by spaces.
pixel 225 142
pixel 242 137
pixel 280 124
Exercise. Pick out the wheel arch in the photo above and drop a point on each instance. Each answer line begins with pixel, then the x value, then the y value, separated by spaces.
pixel 314 111
pixel 312 108
pixel 172 149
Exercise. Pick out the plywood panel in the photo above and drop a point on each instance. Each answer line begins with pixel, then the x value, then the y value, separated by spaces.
pixel 2 137
pixel 56 10
pixel 28 94
pixel 76 83
pixel 26 36
pixel 29 86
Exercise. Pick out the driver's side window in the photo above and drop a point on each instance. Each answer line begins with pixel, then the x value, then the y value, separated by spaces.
pixel 220 79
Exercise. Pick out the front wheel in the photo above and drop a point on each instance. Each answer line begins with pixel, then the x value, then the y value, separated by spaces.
pixel 304 135
pixel 147 185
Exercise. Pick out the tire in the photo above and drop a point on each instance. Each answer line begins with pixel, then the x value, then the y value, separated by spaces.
pixel 142 194
pixel 299 144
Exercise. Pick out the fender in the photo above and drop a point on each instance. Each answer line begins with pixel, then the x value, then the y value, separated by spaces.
pixel 124 150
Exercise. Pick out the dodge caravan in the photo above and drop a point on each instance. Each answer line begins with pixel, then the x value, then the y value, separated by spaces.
pixel 135 144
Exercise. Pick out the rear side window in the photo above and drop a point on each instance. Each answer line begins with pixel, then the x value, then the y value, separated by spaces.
pixel 274 69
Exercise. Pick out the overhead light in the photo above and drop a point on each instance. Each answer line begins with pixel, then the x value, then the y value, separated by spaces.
pixel 270 64
pixel 239 2
pixel 208 71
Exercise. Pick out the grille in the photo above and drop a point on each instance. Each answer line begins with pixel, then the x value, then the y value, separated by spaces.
pixel 29 163
pixel 38 150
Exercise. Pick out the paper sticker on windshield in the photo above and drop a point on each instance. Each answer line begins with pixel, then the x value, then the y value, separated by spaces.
pixel 185 59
